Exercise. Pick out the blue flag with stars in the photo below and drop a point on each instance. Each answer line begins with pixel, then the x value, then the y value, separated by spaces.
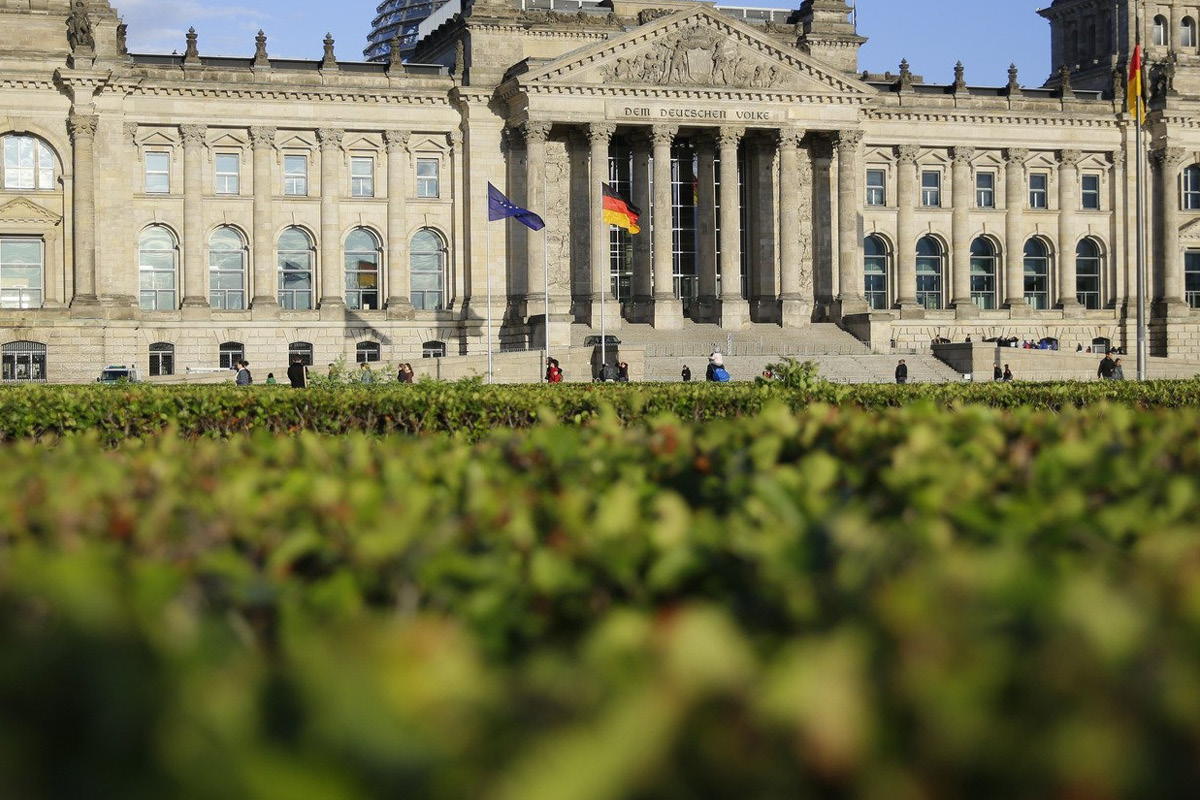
pixel 499 207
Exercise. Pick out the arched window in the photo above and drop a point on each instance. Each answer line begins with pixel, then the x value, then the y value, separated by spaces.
pixel 1037 274
pixel 23 361
pixel 362 269
pixel 1189 188
pixel 304 350
pixel 1087 273
pixel 21 260
pixel 427 256
pixel 930 268
pixel 1160 31
pixel 229 353
pixel 28 163
pixel 983 274
pixel 162 358
pixel 227 270
pixel 295 270
pixel 1187 32
pixel 366 351
pixel 875 272
pixel 157 257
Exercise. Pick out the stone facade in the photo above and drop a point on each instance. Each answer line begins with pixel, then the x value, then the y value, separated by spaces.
pixel 187 202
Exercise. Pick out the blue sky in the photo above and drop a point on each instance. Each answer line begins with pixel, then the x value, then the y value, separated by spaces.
pixel 931 34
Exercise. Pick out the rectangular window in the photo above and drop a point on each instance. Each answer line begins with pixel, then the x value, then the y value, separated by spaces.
pixel 158 173
pixel 985 189
pixel 1039 190
pixel 931 189
pixel 427 177
pixel 295 176
pixel 228 173
pixel 1091 192
pixel 876 187
pixel 362 176
pixel 1191 277
pixel 20 272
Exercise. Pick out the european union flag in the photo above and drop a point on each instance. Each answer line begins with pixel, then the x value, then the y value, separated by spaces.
pixel 499 207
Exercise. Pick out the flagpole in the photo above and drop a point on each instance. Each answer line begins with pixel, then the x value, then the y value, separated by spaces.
pixel 488 272
pixel 546 287
pixel 1139 107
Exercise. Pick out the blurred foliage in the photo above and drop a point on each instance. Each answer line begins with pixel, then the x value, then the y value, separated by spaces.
pixel 938 600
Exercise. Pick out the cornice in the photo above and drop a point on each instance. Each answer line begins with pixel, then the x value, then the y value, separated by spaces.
pixel 253 92
pixel 26 84
pixel 676 93
pixel 888 115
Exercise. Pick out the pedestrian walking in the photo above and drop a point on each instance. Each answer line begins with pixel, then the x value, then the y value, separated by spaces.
pixel 902 372
pixel 1118 370
pixel 297 374
pixel 1008 376
pixel 686 374
pixel 997 373
pixel 1107 368
pixel 364 373
pixel 244 378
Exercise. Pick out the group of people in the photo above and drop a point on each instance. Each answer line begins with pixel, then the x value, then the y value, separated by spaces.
pixel 1110 368
pixel 714 373
pixel 1004 375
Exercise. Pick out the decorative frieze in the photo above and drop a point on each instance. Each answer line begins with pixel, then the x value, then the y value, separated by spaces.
pixel 697 56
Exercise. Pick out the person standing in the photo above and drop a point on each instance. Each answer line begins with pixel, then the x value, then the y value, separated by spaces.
pixel 622 372
pixel 1118 370
pixel 364 373
pixel 686 374
pixel 1107 368
pixel 553 371
pixel 997 374
pixel 1008 376
pixel 297 374
pixel 244 378
pixel 902 372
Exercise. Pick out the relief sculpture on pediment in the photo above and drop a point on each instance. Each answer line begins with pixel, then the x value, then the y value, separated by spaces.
pixel 699 57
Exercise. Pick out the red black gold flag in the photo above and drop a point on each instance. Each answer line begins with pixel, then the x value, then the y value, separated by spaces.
pixel 619 211
pixel 1135 92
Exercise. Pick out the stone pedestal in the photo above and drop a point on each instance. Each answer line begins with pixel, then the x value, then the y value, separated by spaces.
pixel 668 313
pixel 795 311
pixel 734 313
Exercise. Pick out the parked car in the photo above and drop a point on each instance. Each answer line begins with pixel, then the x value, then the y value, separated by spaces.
pixel 116 373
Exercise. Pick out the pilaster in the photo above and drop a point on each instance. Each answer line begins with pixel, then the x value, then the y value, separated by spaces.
pixel 265 302
pixel 906 231
pixel 82 128
pixel 1068 210
pixel 1014 230
pixel 399 299
pixel 962 197
pixel 195 295
pixel 333 296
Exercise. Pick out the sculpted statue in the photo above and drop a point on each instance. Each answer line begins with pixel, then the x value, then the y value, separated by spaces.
pixel 79 28
pixel 697 57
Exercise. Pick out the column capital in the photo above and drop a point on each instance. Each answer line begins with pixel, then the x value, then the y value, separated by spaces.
pixel 908 154
pixel 848 141
pixel 396 140
pixel 455 139
pixel 193 134
pixel 663 134
pixel 1069 158
pixel 962 155
pixel 535 131
pixel 1168 158
pixel 600 132
pixel 82 125
pixel 729 135
pixel 1016 156
pixel 262 136
pixel 790 137
pixel 330 138
pixel 1117 158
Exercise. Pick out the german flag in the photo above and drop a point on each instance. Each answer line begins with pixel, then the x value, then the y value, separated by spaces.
pixel 1134 91
pixel 619 211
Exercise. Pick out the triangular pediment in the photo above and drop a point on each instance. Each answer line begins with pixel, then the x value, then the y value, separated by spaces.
pixel 157 139
pixel 22 210
pixel 1191 230
pixel 228 140
pixel 696 50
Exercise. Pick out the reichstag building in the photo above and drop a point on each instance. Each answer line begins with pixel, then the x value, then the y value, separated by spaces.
pixel 181 211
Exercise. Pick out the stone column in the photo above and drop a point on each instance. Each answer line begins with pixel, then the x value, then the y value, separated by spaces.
pixel 822 231
pixel 642 303
pixel 763 222
pixel 962 197
pixel 733 308
pixel 707 309
pixel 536 133
pixel 850 263
pixel 266 282
pixel 83 137
pixel 1068 210
pixel 193 268
pixel 906 229
pixel 333 289
pixel 1168 295
pixel 599 135
pixel 668 313
pixel 1014 228
pixel 399 292
pixel 793 311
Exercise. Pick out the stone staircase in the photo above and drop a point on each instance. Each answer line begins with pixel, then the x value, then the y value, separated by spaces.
pixel 839 356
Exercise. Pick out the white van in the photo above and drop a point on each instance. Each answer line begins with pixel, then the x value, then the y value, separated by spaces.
pixel 115 373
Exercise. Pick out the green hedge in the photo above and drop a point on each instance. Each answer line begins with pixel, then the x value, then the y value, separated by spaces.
pixel 473 409
pixel 906 603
